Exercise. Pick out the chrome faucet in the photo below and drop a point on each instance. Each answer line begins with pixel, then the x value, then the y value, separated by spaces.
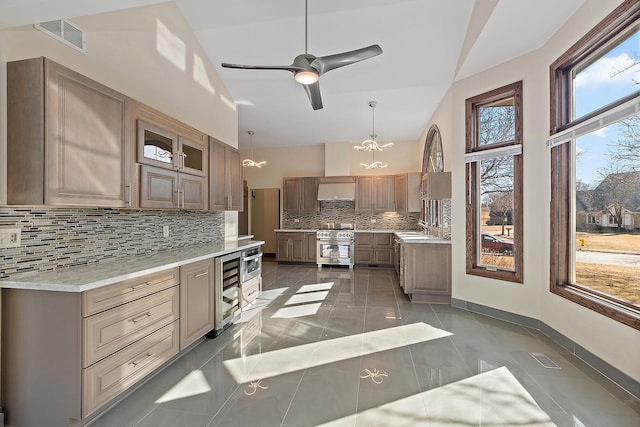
pixel 424 226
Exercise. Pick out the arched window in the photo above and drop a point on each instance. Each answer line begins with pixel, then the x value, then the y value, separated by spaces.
pixel 432 160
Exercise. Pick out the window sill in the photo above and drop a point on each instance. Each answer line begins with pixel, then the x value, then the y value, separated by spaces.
pixel 619 312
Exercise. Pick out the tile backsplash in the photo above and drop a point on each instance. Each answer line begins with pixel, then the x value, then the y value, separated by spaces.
pixel 54 238
pixel 344 211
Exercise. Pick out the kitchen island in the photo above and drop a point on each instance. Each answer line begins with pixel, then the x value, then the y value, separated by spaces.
pixel 77 340
pixel 423 263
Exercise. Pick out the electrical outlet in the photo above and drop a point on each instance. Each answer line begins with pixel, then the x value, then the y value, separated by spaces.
pixel 165 231
pixel 10 237
pixel 296 220
pixel 373 221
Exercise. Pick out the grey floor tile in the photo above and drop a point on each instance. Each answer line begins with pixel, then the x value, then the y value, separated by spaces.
pixel 312 359
pixel 261 404
pixel 162 417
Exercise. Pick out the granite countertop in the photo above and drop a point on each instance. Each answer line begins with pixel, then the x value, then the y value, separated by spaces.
pixel 86 277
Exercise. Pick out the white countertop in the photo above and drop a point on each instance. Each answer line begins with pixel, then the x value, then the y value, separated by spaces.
pixel 313 230
pixel 84 278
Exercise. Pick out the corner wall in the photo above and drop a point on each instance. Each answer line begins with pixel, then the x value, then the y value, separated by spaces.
pixel 615 343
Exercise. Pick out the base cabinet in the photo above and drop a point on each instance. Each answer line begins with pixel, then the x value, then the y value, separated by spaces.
pixel 196 301
pixel 69 362
pixel 426 272
pixel 373 248
pixel 291 247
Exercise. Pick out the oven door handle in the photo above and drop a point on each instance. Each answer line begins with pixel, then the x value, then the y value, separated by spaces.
pixel 251 258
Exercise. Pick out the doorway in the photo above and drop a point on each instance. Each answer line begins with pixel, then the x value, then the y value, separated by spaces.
pixel 265 217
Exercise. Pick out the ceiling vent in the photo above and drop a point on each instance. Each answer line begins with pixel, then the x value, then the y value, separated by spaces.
pixel 65 31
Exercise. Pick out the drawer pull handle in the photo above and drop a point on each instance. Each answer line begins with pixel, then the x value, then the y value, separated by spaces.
pixel 139 361
pixel 141 317
pixel 141 286
pixel 252 292
pixel 204 273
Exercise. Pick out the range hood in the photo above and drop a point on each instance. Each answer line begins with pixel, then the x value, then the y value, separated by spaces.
pixel 337 191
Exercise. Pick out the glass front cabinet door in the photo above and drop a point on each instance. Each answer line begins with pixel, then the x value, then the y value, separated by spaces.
pixel 162 148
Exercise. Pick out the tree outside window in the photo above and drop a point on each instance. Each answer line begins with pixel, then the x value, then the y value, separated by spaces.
pixel 494 183
pixel 595 178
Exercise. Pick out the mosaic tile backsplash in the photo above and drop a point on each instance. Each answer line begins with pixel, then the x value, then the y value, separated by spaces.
pixel 344 211
pixel 54 238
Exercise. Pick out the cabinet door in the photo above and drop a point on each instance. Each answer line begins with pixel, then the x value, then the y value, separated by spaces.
pixel 193 157
pixel 196 301
pixel 157 146
pixel 291 194
pixel 400 193
pixel 383 240
pixel 158 188
pixel 87 141
pixel 364 193
pixel 383 193
pixel 193 192
pixel 309 195
pixel 217 176
pixel 234 177
pixel 311 239
pixel 383 256
pixel 363 240
pixel 298 246
pixel 363 256
pixel 282 248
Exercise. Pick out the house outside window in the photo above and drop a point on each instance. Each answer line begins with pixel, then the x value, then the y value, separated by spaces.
pixel 494 183
pixel 595 168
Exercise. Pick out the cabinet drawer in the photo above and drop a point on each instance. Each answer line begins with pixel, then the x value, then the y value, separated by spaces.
pixel 109 331
pixel 250 291
pixel 363 240
pixel 97 300
pixel 115 374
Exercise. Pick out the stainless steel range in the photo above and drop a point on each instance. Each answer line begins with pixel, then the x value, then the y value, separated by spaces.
pixel 335 247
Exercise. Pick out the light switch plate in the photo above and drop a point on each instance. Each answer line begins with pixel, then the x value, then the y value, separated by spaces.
pixel 165 231
pixel 10 237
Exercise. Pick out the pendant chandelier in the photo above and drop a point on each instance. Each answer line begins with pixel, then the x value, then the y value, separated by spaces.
pixel 371 144
pixel 249 163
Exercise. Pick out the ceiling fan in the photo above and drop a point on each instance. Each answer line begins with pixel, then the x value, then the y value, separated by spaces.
pixel 307 68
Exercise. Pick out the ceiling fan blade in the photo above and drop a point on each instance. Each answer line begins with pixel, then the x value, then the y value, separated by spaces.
pixel 330 62
pixel 292 68
pixel 313 92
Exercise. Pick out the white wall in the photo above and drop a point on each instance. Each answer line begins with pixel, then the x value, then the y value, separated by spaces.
pixel 612 341
pixel 147 53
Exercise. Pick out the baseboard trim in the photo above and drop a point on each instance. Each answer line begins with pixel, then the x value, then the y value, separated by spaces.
pixel 612 373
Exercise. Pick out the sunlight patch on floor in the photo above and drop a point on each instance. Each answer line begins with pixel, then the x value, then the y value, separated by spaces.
pixel 295 358
pixel 192 384
pixel 493 398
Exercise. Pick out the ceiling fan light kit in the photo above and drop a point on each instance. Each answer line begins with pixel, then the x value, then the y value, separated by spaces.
pixel 249 163
pixel 308 68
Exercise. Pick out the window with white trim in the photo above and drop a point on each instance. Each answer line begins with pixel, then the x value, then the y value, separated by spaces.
pixel 595 168
pixel 494 183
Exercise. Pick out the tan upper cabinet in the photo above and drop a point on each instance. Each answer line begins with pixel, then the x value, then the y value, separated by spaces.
pixel 407 192
pixel 225 177
pixel 300 194
pixel 436 185
pixel 174 161
pixel 375 193
pixel 68 138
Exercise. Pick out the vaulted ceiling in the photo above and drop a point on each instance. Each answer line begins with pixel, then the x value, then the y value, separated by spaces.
pixel 427 45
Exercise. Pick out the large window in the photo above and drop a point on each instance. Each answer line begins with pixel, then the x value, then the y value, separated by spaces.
pixel 494 183
pixel 595 168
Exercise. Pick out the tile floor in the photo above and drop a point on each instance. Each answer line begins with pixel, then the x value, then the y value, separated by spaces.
pixel 335 348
